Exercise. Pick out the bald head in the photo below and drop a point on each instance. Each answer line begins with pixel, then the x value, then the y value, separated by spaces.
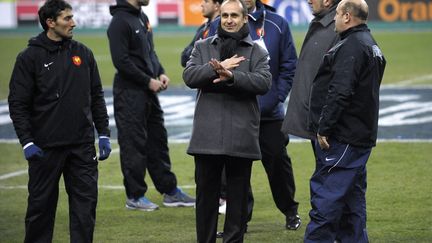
pixel 350 13
pixel 357 8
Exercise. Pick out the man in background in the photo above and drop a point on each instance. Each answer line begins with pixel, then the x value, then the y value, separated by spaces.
pixel 318 40
pixel 272 32
pixel 344 114
pixel 142 136
pixel 210 9
pixel 56 101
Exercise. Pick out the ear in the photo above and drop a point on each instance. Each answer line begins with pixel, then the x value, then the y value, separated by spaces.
pixel 50 23
pixel 327 3
pixel 347 17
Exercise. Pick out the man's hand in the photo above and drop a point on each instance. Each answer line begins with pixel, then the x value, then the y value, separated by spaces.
pixel 165 81
pixel 323 142
pixel 232 62
pixel 104 147
pixel 31 151
pixel 156 85
pixel 224 74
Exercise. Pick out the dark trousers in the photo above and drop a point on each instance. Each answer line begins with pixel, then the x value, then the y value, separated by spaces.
pixel 78 164
pixel 208 170
pixel 278 167
pixel 143 142
pixel 338 200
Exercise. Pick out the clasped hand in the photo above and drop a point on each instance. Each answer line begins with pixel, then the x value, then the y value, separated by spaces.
pixel 158 85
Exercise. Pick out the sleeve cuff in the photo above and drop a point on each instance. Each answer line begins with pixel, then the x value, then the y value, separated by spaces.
pixel 28 145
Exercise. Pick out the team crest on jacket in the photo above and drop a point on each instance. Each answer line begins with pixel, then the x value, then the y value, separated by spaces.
pixel 76 60
pixel 260 32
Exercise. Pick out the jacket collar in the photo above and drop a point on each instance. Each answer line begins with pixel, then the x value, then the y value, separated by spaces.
pixel 258 13
pixel 360 27
pixel 327 17
pixel 43 41
pixel 124 6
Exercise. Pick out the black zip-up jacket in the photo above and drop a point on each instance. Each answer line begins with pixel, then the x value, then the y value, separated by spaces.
pixel 55 94
pixel 132 49
pixel 345 93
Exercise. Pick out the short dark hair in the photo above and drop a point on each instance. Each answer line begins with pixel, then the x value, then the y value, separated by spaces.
pixel 51 10
pixel 218 1
pixel 357 10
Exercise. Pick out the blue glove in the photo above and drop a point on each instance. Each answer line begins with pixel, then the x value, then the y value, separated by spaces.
pixel 104 147
pixel 31 151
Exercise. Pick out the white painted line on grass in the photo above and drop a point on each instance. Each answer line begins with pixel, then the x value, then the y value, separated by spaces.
pixel 415 80
pixel 108 187
pixel 13 174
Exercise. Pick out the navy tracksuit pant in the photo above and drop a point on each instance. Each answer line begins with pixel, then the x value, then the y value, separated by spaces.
pixel 78 164
pixel 338 188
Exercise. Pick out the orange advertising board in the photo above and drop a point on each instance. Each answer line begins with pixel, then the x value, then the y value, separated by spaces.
pixel 192 13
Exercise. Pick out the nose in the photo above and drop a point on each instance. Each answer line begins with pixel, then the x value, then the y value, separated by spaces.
pixel 229 19
pixel 73 23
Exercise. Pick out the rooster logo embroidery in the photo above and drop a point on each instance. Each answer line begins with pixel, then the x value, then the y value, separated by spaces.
pixel 76 60
pixel 260 32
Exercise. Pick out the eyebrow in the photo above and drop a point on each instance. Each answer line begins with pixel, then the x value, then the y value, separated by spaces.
pixel 230 14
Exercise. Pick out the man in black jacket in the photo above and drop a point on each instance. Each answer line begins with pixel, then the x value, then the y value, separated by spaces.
pixel 142 136
pixel 344 115
pixel 55 102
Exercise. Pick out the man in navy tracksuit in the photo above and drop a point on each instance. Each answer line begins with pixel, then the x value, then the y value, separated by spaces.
pixel 56 101
pixel 272 32
pixel 344 115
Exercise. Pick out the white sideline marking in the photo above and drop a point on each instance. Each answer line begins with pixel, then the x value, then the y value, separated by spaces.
pixel 13 174
pixel 108 187
pixel 414 80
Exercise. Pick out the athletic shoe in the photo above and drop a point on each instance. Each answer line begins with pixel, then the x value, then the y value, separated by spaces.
pixel 293 222
pixel 219 234
pixel 141 203
pixel 179 199
pixel 222 206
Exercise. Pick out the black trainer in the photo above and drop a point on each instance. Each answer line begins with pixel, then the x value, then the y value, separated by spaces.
pixel 293 222
pixel 219 234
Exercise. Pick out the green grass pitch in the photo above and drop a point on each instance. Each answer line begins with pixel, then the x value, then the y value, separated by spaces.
pixel 399 196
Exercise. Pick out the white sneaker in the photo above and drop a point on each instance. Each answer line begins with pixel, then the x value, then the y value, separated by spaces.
pixel 222 206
